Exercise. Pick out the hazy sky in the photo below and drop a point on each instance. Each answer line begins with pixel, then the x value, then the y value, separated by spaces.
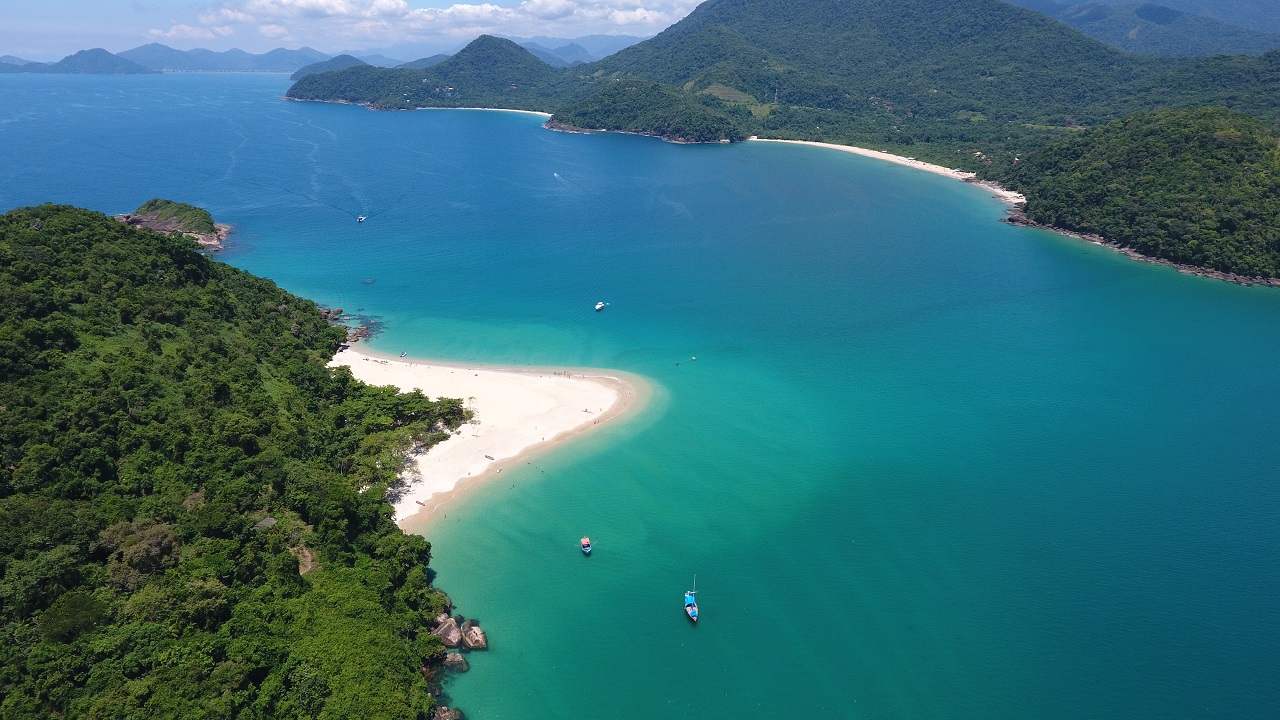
pixel 52 29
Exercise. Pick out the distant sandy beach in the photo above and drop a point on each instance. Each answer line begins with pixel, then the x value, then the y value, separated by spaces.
pixel 517 412
pixel 511 110
pixel 1005 195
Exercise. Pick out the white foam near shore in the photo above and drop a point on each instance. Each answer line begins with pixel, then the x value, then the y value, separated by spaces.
pixel 516 412
pixel 1002 194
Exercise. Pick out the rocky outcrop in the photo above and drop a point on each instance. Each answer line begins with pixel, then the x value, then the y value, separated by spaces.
pixel 473 637
pixel 449 632
pixel 456 662
pixel 152 221
pixel 447 713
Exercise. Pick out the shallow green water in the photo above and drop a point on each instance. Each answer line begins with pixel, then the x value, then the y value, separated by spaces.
pixel 925 464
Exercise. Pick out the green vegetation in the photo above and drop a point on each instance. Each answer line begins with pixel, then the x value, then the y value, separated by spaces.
pixel 339 62
pixel 647 107
pixel 173 455
pixel 189 218
pixel 1200 187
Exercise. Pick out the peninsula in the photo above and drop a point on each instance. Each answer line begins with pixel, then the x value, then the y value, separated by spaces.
pixel 514 414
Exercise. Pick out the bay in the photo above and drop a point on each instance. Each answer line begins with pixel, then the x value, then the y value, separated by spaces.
pixel 924 465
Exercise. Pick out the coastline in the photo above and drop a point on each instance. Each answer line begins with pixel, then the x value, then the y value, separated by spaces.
pixel 519 412
pixel 1003 194
pixel 1019 218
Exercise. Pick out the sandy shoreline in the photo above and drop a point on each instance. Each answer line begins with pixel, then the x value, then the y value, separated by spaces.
pixel 1003 194
pixel 518 411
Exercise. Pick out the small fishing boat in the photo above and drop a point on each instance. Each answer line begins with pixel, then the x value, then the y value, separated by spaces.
pixel 599 306
pixel 586 545
pixel 359 218
pixel 691 602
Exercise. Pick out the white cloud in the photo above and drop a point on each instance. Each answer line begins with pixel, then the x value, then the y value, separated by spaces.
pixel 330 23
pixel 189 32
pixel 221 15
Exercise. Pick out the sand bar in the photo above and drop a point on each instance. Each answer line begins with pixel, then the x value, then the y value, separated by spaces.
pixel 1000 193
pixel 517 412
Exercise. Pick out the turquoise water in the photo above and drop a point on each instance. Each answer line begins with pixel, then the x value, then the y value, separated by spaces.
pixel 925 464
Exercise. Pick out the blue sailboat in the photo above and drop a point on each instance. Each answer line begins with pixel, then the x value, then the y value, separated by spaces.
pixel 691 602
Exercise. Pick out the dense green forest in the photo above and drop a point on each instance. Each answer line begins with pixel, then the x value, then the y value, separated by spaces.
pixel 193 513
pixel 1200 187
pixel 188 217
pixel 640 106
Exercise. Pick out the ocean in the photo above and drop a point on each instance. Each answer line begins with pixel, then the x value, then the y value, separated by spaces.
pixel 924 465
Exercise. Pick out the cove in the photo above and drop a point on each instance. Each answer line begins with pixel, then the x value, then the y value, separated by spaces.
pixel 925 464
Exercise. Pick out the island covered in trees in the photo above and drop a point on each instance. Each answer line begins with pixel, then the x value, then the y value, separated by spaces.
pixel 979 85
pixel 193 508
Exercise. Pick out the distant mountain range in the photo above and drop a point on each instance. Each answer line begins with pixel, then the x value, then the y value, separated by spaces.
pixel 86 62
pixel 1149 29
pixel 166 59
pixel 155 57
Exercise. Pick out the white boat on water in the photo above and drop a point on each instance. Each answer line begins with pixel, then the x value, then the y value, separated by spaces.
pixel 691 602
pixel 599 306
pixel 359 218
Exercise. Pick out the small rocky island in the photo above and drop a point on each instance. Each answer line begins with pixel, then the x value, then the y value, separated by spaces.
pixel 167 216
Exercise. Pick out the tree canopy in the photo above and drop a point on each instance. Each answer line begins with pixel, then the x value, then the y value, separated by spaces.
pixel 174 454
pixel 1200 187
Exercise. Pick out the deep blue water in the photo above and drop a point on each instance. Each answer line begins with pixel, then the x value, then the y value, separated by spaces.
pixel 925 464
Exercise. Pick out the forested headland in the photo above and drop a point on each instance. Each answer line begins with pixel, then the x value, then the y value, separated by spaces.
pixel 193 507
pixel 1197 187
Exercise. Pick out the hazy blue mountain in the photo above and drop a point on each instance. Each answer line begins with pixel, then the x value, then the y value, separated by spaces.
pixel 573 52
pixel 95 61
pixel 594 46
pixel 378 60
pixel 12 60
pixel 284 60
pixel 1158 30
pixel 1259 15
pixel 165 58
pixel 546 55
pixel 425 62
pixel 1149 29
pixel 340 62
pixel 602 46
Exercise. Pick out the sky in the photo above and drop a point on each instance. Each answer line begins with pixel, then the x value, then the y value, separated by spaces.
pixel 46 30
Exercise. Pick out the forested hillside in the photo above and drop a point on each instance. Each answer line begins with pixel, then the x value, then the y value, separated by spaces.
pixel 1200 187
pixel 193 519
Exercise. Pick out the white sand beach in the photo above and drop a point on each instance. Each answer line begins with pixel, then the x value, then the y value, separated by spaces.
pixel 517 412
pixel 1002 194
